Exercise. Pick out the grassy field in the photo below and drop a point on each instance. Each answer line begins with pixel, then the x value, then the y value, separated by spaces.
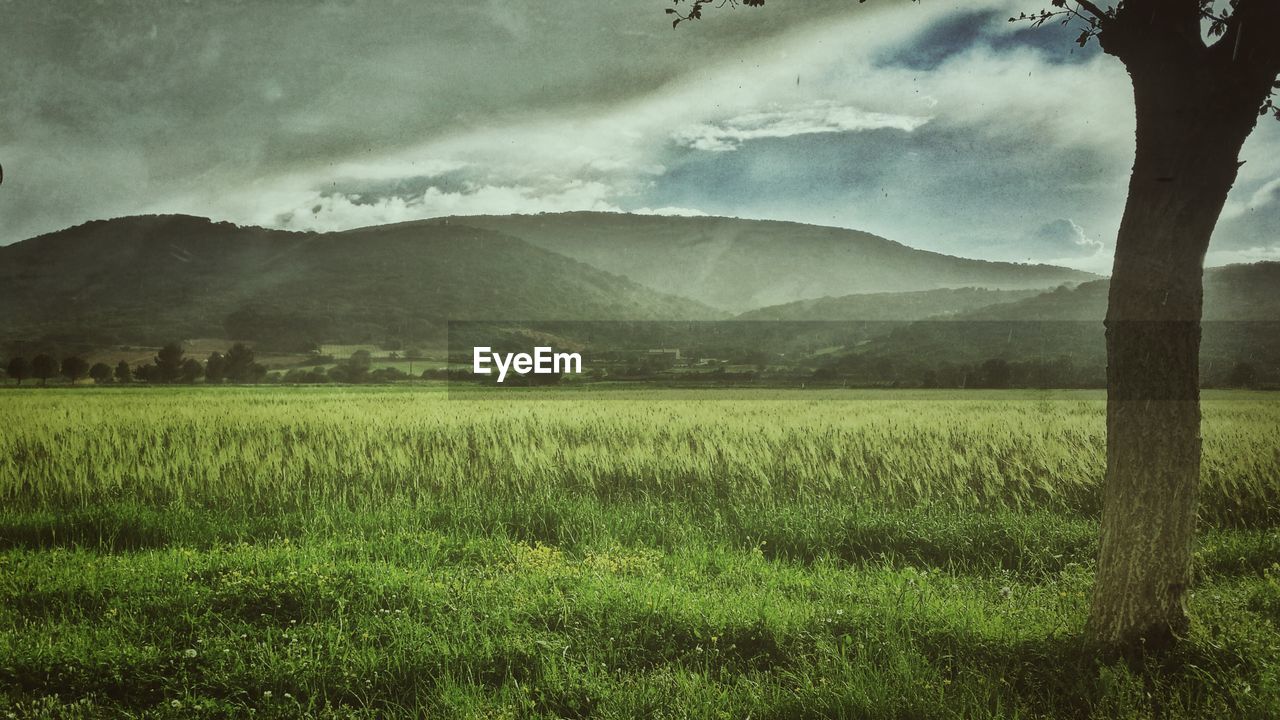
pixel 388 552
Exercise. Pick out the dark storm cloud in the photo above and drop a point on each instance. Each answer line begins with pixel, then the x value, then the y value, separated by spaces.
pixel 965 30
pixel 935 124
pixel 371 191
pixel 110 107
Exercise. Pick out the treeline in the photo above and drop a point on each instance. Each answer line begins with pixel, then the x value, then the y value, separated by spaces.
pixel 356 369
pixel 1000 373
pixel 169 366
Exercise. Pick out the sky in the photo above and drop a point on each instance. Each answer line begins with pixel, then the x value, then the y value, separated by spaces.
pixel 939 124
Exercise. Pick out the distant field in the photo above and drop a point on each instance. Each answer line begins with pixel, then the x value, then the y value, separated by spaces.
pixel 389 552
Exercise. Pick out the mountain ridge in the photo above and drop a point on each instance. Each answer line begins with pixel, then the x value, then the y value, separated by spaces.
pixel 1237 292
pixel 888 307
pixel 741 265
pixel 151 278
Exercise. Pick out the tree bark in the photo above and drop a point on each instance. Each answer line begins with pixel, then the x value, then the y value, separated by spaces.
pixel 1190 128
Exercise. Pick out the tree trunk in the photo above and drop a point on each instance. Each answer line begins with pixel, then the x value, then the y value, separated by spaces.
pixel 1188 143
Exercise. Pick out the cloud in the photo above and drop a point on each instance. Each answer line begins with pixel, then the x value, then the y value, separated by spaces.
pixel 938 125
pixel 341 211
pixel 979 144
pixel 1057 242
pixel 337 105
pixel 1061 238
pixel 1250 221
pixel 777 122
pixel 1243 255
pixel 669 211
pixel 1268 194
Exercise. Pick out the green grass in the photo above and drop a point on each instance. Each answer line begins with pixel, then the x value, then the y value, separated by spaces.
pixel 388 552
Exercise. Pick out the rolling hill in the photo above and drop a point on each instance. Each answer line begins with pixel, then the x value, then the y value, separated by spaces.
pixel 895 306
pixel 1241 323
pixel 741 265
pixel 1231 293
pixel 150 279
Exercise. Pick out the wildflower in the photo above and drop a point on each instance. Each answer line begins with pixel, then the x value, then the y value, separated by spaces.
pixel 266 694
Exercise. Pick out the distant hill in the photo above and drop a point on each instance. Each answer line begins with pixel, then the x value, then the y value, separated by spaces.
pixel 154 278
pixel 741 265
pixel 1241 323
pixel 896 306
pixel 150 279
pixel 1231 293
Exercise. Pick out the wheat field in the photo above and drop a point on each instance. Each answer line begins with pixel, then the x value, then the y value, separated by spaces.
pixel 397 552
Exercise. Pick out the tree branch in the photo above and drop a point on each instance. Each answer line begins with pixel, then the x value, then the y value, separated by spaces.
pixel 1093 10
pixel 1151 33
pixel 1181 17
pixel 1247 55
pixel 1250 36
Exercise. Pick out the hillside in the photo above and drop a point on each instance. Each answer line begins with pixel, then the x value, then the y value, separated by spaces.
pixel 741 265
pixel 1241 323
pixel 896 306
pixel 154 278
pixel 1231 293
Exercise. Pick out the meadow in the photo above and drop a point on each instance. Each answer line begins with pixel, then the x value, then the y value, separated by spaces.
pixel 372 552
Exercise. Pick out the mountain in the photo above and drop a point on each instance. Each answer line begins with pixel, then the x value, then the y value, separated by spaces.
pixel 151 279
pixel 895 306
pixel 1231 293
pixel 741 265
pixel 1241 324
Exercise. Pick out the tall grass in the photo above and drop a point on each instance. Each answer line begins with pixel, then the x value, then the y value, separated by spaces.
pixel 303 448
pixel 373 552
